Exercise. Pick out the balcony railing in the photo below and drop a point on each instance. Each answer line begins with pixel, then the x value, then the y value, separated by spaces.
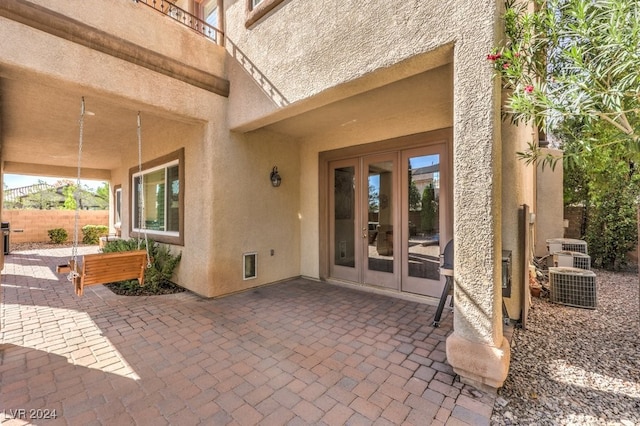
pixel 185 18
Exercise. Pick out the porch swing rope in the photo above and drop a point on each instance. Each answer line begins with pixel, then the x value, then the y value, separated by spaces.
pixel 141 222
pixel 74 250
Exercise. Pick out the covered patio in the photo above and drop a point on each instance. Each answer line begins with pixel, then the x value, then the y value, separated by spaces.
pixel 296 352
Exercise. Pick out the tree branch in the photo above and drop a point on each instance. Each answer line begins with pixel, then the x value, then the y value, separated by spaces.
pixel 613 122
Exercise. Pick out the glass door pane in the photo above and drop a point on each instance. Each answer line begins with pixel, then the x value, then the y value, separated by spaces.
pixel 344 210
pixel 424 223
pixel 380 217
pixel 424 209
pixel 379 225
pixel 344 232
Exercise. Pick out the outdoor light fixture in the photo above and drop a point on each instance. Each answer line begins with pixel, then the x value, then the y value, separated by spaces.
pixel 276 180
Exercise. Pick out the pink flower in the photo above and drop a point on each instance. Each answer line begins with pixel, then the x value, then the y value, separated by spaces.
pixel 505 65
pixel 528 89
pixel 493 56
pixel 517 54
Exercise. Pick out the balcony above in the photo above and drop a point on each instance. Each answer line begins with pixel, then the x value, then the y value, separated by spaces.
pixel 130 31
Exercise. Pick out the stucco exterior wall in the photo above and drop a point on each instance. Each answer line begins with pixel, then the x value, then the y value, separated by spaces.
pixel 158 140
pixel 305 48
pixel 82 70
pixel 315 54
pixel 230 206
pixel 440 80
pixel 518 189
pixel 550 201
pixel 477 349
pixel 320 52
pixel 182 116
pixel 143 26
pixel 250 215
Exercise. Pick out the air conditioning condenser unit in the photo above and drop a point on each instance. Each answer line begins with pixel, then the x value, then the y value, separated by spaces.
pixel 573 287
pixel 572 259
pixel 566 244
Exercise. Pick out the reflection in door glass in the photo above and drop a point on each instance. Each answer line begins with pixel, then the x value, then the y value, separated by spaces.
pixel 424 226
pixel 380 218
pixel 344 216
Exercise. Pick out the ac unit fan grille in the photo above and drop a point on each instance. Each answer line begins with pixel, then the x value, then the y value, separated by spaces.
pixel 580 248
pixel 567 244
pixel 582 262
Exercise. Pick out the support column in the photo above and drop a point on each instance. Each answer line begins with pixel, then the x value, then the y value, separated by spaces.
pixel 477 350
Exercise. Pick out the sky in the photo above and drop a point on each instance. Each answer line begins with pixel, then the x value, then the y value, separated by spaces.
pixel 425 160
pixel 17 181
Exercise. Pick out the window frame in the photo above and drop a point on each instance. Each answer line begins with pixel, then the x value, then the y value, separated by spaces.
pixel 256 12
pixel 117 207
pixel 164 162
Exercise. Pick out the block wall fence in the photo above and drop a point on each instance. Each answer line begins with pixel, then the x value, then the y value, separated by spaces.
pixel 31 226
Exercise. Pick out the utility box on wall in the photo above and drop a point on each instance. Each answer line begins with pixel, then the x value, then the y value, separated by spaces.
pixel 506 273
pixel 6 237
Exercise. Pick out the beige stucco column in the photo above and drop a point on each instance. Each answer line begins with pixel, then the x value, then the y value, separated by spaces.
pixel 476 349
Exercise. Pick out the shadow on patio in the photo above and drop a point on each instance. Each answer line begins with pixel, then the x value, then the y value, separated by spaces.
pixel 295 352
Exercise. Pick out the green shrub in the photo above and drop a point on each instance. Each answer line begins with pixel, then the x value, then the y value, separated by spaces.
pixel 57 235
pixel 91 233
pixel 612 229
pixel 157 278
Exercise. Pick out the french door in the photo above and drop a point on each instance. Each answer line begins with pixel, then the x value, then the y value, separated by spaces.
pixel 389 219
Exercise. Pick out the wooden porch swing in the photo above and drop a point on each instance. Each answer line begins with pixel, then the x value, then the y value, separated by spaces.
pixel 104 268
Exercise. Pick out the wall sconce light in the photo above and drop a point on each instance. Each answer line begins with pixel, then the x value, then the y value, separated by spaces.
pixel 276 180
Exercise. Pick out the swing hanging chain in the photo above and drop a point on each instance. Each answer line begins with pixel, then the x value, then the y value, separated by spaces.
pixel 141 208
pixel 74 251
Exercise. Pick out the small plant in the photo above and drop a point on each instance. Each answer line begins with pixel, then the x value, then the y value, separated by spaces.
pixel 157 278
pixel 57 235
pixel 91 233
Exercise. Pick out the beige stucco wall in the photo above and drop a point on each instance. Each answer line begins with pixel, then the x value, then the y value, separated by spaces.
pixel 440 80
pixel 307 48
pixel 54 61
pixel 315 53
pixel 231 207
pixel 250 215
pixel 143 26
pixel 320 52
pixel 518 189
pixel 477 350
pixel 181 116
pixel 550 212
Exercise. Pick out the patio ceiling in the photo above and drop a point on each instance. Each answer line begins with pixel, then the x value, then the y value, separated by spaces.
pixel 427 94
pixel 40 130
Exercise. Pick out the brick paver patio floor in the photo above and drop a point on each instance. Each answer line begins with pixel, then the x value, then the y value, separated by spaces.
pixel 298 352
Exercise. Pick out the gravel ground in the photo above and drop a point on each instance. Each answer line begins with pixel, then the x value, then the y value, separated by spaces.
pixel 576 366
pixel 42 245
